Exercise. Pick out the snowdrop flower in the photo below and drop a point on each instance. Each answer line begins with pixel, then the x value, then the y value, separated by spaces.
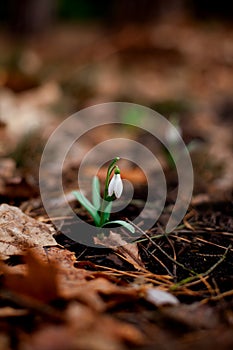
pixel 101 211
pixel 115 185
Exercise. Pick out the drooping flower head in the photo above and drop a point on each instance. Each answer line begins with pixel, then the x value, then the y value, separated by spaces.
pixel 115 185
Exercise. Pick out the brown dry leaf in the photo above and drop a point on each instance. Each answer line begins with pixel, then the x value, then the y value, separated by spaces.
pixel 77 286
pixel 188 225
pixel 214 163
pixel 84 293
pixel 104 286
pixel 73 282
pixel 219 338
pixel 194 316
pixel 87 335
pixel 84 329
pixel 7 170
pixel 68 275
pixel 130 253
pixel 8 311
pixel 28 111
pixel 38 282
pixel 127 251
pixel 134 175
pixel 99 331
pixel 4 342
pixel 116 295
pixel 49 338
pixel 19 232
pixel 83 285
pixel 62 258
pixel 47 280
pixel 200 199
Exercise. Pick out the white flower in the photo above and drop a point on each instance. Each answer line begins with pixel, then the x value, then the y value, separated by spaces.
pixel 115 186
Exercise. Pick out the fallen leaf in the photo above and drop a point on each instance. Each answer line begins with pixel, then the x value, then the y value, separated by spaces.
pixel 38 282
pixel 130 253
pixel 115 294
pixel 84 329
pixel 84 285
pixel 99 331
pixel 73 282
pixel 7 168
pixel 127 251
pixel 193 316
pixel 8 311
pixel 52 337
pixel 5 342
pixel 19 232
pixel 85 294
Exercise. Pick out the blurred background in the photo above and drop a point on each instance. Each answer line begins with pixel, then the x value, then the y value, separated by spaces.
pixel 57 57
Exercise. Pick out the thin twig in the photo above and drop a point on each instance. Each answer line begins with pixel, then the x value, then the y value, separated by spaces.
pixel 228 293
pixel 204 274
pixel 161 249
pixel 159 261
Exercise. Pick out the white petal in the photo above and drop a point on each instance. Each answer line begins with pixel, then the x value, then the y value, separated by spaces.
pixel 111 186
pixel 118 186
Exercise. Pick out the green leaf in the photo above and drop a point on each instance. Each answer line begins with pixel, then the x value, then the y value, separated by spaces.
pixel 122 223
pixel 107 212
pixel 88 206
pixel 96 192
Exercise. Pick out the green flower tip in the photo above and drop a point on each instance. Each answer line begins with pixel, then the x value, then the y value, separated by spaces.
pixel 117 170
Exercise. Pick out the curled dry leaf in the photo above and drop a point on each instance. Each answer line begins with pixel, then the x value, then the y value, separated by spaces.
pixel 19 232
pixel 112 294
pixel 4 342
pixel 84 330
pixel 51 337
pixel 8 311
pixel 7 168
pixel 38 281
pixel 194 316
pixel 73 282
pixel 127 251
pixel 7 172
pixel 99 331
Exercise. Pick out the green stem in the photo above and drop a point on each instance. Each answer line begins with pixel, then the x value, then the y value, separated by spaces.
pixel 103 204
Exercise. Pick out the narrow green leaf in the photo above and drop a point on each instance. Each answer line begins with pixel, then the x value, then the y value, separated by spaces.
pixel 96 192
pixel 122 223
pixel 88 206
pixel 107 212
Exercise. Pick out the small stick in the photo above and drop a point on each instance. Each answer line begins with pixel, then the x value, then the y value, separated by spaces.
pixel 204 274
pixel 161 249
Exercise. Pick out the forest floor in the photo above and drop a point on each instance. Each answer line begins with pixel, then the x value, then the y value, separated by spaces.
pixel 56 293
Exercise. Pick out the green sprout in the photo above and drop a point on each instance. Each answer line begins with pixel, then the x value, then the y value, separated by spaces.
pixel 100 208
